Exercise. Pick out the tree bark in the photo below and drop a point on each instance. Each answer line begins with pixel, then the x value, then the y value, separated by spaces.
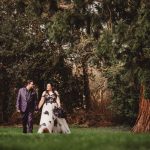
pixel 4 94
pixel 86 85
pixel 143 120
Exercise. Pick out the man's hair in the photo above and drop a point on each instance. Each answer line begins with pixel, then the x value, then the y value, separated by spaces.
pixel 28 82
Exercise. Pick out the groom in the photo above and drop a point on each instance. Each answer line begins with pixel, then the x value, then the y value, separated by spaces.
pixel 26 104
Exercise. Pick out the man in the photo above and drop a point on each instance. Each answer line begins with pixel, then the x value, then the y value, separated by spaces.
pixel 26 104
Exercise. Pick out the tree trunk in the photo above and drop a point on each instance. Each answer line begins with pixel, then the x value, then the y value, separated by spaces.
pixel 4 94
pixel 143 120
pixel 86 85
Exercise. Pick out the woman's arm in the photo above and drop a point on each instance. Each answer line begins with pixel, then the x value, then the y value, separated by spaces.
pixel 58 99
pixel 42 100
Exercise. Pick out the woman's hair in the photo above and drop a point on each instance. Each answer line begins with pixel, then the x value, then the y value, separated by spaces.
pixel 53 88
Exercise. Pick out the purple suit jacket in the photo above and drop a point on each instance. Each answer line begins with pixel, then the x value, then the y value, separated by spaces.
pixel 26 100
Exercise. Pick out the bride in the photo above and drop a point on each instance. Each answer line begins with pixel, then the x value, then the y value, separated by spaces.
pixel 49 122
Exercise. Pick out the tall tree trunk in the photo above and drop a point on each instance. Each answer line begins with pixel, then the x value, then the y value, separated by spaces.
pixel 5 92
pixel 109 23
pixel 86 85
pixel 143 120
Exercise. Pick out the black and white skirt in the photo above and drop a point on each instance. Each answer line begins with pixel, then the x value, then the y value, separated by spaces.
pixel 50 123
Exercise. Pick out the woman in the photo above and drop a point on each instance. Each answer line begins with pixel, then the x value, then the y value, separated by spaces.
pixel 50 122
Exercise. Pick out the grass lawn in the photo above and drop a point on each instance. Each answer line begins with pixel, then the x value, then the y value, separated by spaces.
pixel 11 138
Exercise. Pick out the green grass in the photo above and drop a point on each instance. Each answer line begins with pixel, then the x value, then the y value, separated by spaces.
pixel 11 138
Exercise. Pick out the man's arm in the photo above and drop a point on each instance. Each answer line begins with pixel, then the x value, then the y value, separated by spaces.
pixel 36 101
pixel 18 101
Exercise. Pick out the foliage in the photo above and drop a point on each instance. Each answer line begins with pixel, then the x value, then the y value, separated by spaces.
pixel 39 40
pixel 125 46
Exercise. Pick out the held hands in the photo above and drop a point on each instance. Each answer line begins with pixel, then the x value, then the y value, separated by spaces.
pixel 36 109
pixel 18 110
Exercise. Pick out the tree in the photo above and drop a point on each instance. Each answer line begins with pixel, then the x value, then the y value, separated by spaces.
pixel 26 52
pixel 40 38
pixel 128 47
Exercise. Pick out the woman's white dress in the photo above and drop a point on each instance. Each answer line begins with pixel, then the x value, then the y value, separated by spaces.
pixel 48 120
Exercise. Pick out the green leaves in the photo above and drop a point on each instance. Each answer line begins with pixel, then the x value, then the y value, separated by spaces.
pixel 58 28
pixel 128 44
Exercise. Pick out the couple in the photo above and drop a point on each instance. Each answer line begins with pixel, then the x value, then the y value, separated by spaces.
pixel 27 103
